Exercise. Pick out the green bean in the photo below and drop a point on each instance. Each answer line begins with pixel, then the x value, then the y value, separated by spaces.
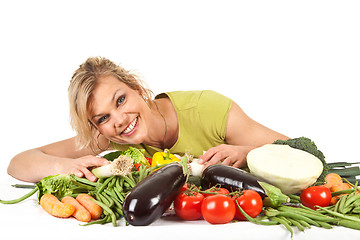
pixel 141 173
pixel 336 208
pixel 336 214
pixel 294 198
pixel 118 184
pixel 349 224
pixel 270 212
pixel 112 183
pixel 301 209
pixel 107 209
pixel 100 221
pixel 342 201
pixel 114 197
pixel 286 220
pixel 310 214
pixel 104 185
pixel 109 199
pixel 127 185
pixel 129 178
pixel 31 186
pixel 29 194
pixel 119 195
pixel 345 191
pixel 304 223
pixel 111 193
pixel 356 209
pixel 325 225
pixel 119 210
pixel 347 209
pixel 254 220
pixel 297 224
pixel 84 180
pixel 102 199
pixel 300 217
pixel 310 210
pixel 281 221
pixel 352 199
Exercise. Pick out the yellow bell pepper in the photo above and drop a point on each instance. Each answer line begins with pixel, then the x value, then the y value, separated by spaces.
pixel 165 157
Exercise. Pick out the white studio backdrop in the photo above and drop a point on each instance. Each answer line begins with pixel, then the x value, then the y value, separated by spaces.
pixel 293 66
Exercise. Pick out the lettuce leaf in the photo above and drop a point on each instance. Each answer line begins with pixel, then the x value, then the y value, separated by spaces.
pixel 137 155
pixel 61 185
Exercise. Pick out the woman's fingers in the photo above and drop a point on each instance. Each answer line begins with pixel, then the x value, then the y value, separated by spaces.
pixel 225 154
pixel 80 167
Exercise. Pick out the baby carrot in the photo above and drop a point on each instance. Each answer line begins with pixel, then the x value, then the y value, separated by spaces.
pixel 332 179
pixel 80 212
pixel 54 207
pixel 94 209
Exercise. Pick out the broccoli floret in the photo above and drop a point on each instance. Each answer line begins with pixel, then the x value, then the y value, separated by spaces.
pixel 309 146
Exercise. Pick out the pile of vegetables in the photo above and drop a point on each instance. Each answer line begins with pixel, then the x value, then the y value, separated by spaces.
pixel 108 193
pixel 288 183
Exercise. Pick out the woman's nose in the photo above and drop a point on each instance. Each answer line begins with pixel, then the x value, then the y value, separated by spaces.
pixel 119 119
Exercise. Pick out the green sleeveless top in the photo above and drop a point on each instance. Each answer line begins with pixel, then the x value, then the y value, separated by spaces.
pixel 202 117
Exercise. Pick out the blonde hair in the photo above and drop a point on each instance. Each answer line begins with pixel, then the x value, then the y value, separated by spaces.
pixel 80 90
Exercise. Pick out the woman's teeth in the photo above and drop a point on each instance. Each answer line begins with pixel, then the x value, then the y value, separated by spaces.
pixel 131 126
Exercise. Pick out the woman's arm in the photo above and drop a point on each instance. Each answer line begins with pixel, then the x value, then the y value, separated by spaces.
pixel 242 135
pixel 60 157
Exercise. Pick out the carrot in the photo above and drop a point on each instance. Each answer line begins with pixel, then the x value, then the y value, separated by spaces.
pixel 54 207
pixel 94 209
pixel 80 212
pixel 338 187
pixel 332 179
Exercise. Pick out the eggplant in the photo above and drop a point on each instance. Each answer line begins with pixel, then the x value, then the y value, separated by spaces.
pixel 150 198
pixel 231 178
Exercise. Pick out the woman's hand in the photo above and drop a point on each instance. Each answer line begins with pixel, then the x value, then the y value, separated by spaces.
pixel 80 166
pixel 231 155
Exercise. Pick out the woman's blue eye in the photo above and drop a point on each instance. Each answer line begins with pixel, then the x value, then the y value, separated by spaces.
pixel 102 119
pixel 120 100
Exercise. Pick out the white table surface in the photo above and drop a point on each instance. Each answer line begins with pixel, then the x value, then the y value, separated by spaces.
pixel 29 221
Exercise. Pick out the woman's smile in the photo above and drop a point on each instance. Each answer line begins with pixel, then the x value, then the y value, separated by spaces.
pixel 131 128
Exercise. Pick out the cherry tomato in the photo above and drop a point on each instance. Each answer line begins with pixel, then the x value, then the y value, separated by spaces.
pixel 316 195
pixel 188 207
pixel 222 191
pixel 218 209
pixel 251 202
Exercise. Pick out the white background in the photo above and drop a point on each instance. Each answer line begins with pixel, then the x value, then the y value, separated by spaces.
pixel 293 66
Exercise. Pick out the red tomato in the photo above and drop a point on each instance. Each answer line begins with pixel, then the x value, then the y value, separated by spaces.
pixel 184 188
pixel 188 207
pixel 316 195
pixel 218 209
pixel 222 191
pixel 251 202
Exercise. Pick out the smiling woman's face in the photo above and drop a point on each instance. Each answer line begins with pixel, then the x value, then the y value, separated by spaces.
pixel 119 112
